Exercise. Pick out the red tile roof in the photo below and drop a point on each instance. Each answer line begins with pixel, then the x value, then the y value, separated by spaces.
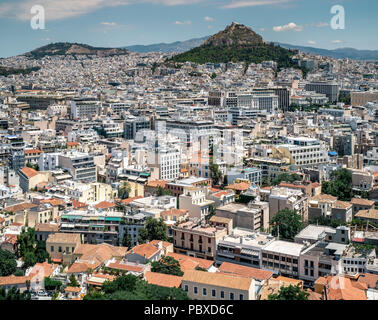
pixel 29 172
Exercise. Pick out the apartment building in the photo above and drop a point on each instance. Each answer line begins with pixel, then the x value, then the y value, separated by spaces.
pixel 301 151
pixel 167 161
pixel 250 216
pixel 201 285
pixel 84 108
pixel 330 89
pixel 197 239
pixel 243 247
pixel 134 124
pixel 61 246
pixel 95 227
pixel 194 200
pixel 319 260
pixel 285 198
pixel 80 165
pixel 282 257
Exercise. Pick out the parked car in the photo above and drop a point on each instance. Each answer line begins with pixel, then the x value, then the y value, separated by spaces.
pixel 42 293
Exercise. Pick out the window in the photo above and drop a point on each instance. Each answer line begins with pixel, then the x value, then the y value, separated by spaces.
pixel 204 292
pixel 52 249
pixel 222 294
pixel 213 293
pixel 241 297
pixel 195 290
pixel 231 296
pixel 186 288
pixel 60 249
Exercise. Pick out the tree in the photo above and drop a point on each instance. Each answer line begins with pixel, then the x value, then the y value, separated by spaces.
pixel 243 198
pixel 213 75
pixel 288 223
pixel 340 185
pixel 167 265
pixel 211 213
pixel 290 178
pixel 153 230
pixel 124 190
pixel 51 284
pixel 8 263
pixel 130 287
pixel 126 241
pixel 162 192
pixel 73 281
pixel 13 294
pixel 29 249
pixel 290 293
pixel 215 174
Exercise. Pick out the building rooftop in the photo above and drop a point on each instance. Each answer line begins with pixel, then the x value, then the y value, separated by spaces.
pixel 285 247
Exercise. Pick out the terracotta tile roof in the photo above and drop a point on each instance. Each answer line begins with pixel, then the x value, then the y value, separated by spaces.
pixel 13 280
pixel 105 205
pixel 163 280
pixel 81 267
pixel 368 214
pixel 73 143
pixel 129 200
pixel 78 204
pixel 31 151
pixel 213 190
pixel 187 261
pixel 324 198
pixel 341 204
pixel 362 202
pixel 174 212
pixel 54 202
pixel 97 254
pixel 290 280
pixel 72 289
pixel 217 279
pixel 146 250
pixel 242 186
pixel 48 269
pixel 61 237
pixel 47 227
pixel 371 280
pixel 244 271
pixel 127 267
pixel 165 244
pixel 222 193
pixel 157 183
pixel 342 289
pixel 20 207
pixel 10 238
pixel 29 172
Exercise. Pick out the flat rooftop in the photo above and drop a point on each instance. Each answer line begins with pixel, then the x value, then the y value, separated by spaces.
pixel 285 247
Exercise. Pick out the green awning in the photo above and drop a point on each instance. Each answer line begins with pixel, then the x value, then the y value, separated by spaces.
pixel 112 219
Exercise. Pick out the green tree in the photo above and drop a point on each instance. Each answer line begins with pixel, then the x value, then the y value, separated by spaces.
pixel 126 241
pixel 73 281
pixel 290 178
pixel 290 293
pixel 162 192
pixel 212 212
pixel 153 230
pixel 340 185
pixel 13 294
pixel 167 265
pixel 213 75
pixel 51 284
pixel 215 174
pixel 288 223
pixel 25 242
pixel 8 263
pixel 124 190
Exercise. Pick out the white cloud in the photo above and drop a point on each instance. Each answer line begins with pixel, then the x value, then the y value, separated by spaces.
pixel 63 9
pixel 311 42
pixel 253 3
pixel 321 24
pixel 336 41
pixel 108 24
pixel 183 22
pixel 288 27
pixel 209 19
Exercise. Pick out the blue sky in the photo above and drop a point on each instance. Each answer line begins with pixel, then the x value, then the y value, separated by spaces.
pixel 116 23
